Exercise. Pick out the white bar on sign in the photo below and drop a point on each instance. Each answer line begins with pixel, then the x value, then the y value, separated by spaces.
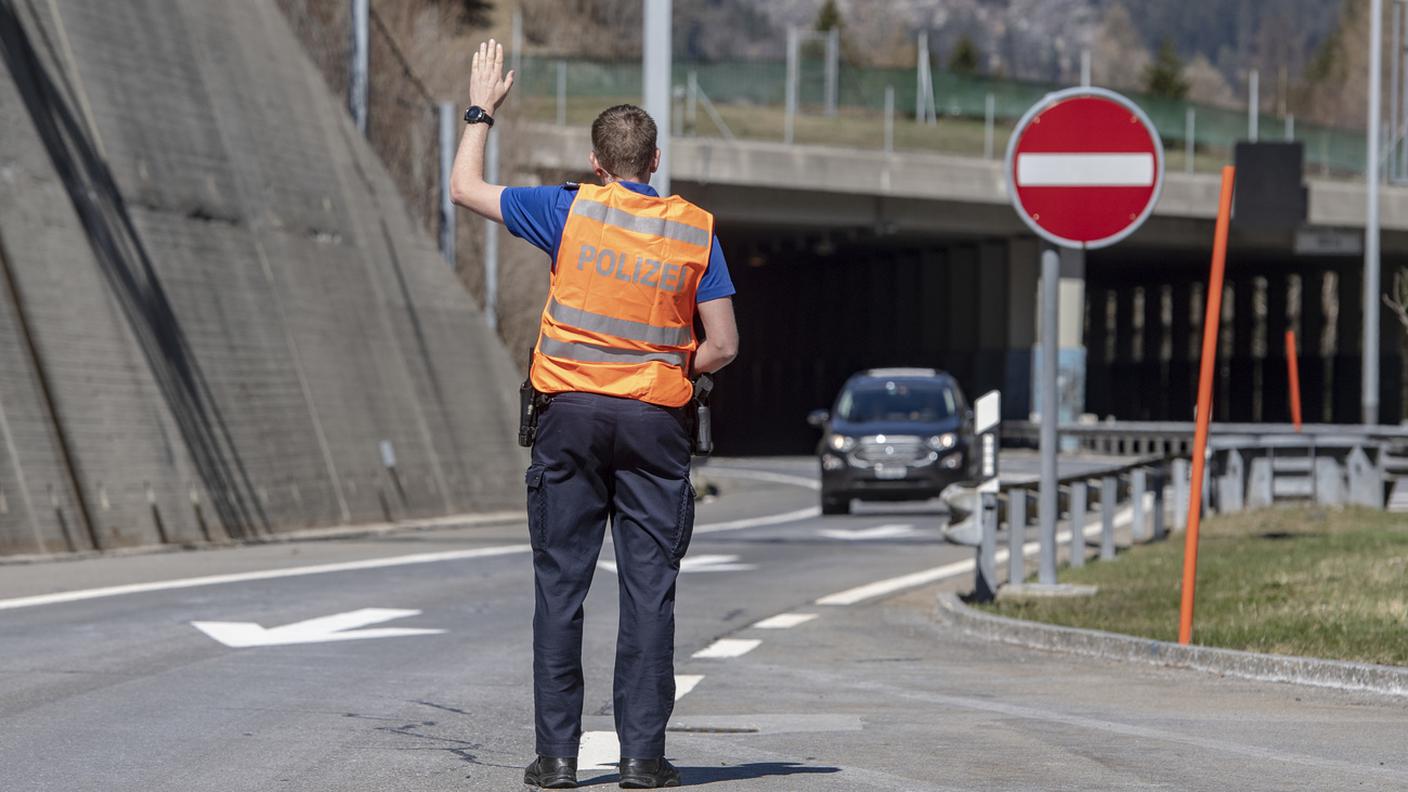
pixel 1085 170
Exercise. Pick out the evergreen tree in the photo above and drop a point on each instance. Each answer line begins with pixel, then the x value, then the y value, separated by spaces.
pixel 1164 77
pixel 965 58
pixel 829 17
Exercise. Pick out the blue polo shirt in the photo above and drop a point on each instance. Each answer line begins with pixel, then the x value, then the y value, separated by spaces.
pixel 537 215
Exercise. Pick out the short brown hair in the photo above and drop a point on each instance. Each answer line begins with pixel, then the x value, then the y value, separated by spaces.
pixel 623 138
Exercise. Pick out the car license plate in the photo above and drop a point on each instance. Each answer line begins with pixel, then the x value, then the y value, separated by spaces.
pixel 891 472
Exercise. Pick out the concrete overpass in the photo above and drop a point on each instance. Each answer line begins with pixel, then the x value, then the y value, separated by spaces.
pixel 829 234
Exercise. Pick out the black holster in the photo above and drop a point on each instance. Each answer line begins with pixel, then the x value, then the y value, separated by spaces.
pixel 702 425
pixel 528 402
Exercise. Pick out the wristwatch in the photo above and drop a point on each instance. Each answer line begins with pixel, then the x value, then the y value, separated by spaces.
pixel 478 115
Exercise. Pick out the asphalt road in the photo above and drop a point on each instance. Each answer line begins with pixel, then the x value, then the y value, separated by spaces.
pixel 107 684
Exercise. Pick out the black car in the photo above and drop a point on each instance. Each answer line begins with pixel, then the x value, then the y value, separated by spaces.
pixel 894 434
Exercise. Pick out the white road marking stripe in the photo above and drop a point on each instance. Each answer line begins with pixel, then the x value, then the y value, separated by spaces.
pixel 915 579
pixel 762 475
pixel 727 647
pixel 702 563
pixel 352 566
pixel 862 534
pixel 337 627
pixel 758 522
pixel 684 683
pixel 783 621
pixel 1076 169
pixel 599 750
pixel 266 574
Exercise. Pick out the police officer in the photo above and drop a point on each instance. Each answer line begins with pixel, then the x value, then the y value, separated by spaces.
pixel 616 349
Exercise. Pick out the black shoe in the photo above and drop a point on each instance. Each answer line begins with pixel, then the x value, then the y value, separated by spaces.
pixel 648 774
pixel 551 772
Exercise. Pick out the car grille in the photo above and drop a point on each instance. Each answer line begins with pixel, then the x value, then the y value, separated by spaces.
pixel 890 450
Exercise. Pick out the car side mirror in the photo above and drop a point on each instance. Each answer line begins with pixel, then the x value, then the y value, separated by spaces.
pixel 818 418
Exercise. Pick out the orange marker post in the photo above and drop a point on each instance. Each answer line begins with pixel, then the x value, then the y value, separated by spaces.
pixel 1200 435
pixel 1293 373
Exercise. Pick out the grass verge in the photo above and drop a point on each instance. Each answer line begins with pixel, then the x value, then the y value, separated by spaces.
pixel 1296 581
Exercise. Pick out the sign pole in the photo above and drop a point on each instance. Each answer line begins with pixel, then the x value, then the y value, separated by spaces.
pixel 1200 435
pixel 1050 411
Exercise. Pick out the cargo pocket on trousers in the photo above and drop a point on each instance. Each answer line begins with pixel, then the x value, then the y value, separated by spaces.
pixel 684 523
pixel 537 506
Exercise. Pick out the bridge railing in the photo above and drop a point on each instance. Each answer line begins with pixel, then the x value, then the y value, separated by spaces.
pixel 1249 466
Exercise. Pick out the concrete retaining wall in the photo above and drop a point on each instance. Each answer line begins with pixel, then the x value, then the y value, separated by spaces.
pixel 214 307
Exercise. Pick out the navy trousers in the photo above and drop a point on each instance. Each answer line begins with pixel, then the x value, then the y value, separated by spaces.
pixel 599 459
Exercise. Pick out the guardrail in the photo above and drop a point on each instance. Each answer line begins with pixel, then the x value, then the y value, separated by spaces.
pixel 1249 466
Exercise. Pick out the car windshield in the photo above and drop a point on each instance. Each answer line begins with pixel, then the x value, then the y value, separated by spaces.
pixel 914 401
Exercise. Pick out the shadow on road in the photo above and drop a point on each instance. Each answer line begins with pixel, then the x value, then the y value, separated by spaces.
pixel 699 776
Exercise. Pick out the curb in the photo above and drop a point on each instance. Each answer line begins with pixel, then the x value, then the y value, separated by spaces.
pixel 1335 674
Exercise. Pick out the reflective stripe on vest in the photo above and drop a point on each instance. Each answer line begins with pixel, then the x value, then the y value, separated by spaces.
pixel 619 319
pixel 621 328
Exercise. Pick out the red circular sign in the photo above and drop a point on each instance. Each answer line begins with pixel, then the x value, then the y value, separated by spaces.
pixel 1084 167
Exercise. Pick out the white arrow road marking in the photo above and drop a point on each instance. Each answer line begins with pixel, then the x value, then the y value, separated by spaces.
pixel 727 647
pixel 338 627
pixel 783 621
pixel 862 534
pixel 702 563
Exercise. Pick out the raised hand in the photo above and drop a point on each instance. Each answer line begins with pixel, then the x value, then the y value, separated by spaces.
pixel 488 85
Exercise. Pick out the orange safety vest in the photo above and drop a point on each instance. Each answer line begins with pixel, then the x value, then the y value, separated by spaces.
pixel 620 313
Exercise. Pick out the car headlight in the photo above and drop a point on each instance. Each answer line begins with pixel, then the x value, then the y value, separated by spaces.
pixel 842 443
pixel 943 442
pixel 831 462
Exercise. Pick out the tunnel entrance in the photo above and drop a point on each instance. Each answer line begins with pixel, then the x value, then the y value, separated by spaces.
pixel 814 309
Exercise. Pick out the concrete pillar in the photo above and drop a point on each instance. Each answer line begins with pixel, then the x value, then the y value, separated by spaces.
pixel 1070 379
pixel 1020 311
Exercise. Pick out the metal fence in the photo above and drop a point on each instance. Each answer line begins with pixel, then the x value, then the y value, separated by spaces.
pixel 558 87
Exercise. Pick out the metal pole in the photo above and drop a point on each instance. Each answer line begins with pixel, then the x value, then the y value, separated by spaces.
pixel 1402 57
pixel 1253 104
pixel 449 125
pixel 1394 64
pixel 1291 126
pixel 789 123
pixel 1190 120
pixel 1016 535
pixel 1138 523
pixel 1108 495
pixel 691 102
pixel 989 125
pixel 1078 511
pixel 921 59
pixel 357 79
pixel 1370 367
pixel 889 119
pixel 516 43
pixel 1050 410
pixel 657 61
pixel 562 93
pixel 833 69
pixel 1085 68
pixel 491 239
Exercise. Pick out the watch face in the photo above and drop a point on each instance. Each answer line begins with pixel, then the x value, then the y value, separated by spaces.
pixel 475 115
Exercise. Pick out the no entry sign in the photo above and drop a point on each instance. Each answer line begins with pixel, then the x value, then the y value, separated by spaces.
pixel 1084 167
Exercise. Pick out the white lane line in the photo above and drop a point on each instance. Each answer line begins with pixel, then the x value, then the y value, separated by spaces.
pixel 684 683
pixel 924 577
pixel 599 750
pixel 352 566
pixel 702 563
pixel 758 522
pixel 1081 169
pixel 266 574
pixel 784 621
pixel 727 647
pixel 863 534
pixel 762 475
